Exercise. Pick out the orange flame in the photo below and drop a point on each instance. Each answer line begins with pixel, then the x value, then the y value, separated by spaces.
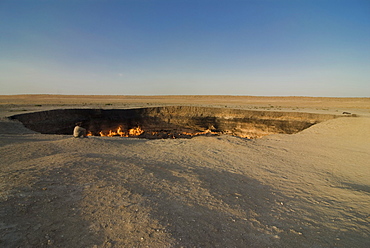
pixel 135 131
pixel 119 132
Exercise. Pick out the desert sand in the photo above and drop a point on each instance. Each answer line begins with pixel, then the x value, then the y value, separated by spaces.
pixel 310 189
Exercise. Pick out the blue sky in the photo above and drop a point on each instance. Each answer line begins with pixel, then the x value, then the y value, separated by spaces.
pixel 185 47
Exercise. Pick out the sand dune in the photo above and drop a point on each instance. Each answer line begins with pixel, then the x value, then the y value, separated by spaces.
pixel 310 189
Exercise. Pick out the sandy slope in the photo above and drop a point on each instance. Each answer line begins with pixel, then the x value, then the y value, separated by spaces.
pixel 310 189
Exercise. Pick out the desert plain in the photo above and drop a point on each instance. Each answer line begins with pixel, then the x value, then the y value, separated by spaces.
pixel 309 189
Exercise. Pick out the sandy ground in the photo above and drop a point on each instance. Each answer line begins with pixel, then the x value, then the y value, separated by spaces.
pixel 310 189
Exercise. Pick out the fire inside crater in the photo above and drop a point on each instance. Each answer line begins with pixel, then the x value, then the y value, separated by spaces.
pixel 170 122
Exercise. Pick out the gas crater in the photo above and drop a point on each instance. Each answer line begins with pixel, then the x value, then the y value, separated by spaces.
pixel 171 122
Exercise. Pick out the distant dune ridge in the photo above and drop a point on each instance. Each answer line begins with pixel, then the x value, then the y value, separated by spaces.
pixel 309 189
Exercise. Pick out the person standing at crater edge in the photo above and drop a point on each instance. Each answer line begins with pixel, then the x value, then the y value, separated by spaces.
pixel 79 132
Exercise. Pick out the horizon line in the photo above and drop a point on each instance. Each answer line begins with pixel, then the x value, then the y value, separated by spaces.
pixel 179 95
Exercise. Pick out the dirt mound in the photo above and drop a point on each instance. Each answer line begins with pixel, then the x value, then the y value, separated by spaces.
pixel 8 126
pixel 309 189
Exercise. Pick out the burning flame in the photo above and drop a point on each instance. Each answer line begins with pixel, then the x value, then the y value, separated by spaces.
pixel 137 131
pixel 119 132
pixel 208 131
